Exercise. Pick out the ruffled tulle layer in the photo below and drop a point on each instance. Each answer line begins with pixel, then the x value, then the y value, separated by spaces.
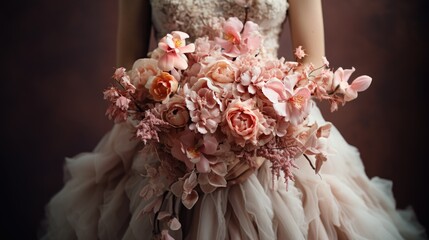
pixel 100 200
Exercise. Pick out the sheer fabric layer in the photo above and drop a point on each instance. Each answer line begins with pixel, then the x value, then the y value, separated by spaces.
pixel 101 200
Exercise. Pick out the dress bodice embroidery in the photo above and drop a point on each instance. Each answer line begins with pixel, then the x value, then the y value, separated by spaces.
pixel 195 16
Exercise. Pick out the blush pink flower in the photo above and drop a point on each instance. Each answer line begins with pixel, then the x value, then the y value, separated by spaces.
pixel 299 53
pixel 221 71
pixel 176 112
pixel 142 70
pixel 250 80
pixel 243 122
pixel 174 48
pixel 234 42
pixel 204 106
pixel 192 149
pixel 162 86
pixel 341 85
pixel 294 104
pixel 123 103
pixel 185 189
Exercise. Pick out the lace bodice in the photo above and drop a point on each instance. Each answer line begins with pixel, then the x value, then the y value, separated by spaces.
pixel 193 17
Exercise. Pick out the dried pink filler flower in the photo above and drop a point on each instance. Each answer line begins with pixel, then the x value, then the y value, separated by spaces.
pixel 299 53
pixel 199 108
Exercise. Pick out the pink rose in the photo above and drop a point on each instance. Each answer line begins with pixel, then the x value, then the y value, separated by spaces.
pixel 222 72
pixel 243 122
pixel 176 113
pixel 161 86
pixel 142 70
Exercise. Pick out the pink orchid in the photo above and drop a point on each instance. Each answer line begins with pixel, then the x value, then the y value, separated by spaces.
pixel 185 189
pixel 294 104
pixel 174 48
pixel 192 148
pixel 340 83
pixel 234 43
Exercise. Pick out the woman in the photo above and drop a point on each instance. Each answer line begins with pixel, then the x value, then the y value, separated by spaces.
pixel 101 200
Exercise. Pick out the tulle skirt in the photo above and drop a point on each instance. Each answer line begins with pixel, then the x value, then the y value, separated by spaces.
pixel 100 200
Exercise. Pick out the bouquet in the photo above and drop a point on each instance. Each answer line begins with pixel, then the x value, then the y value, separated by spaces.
pixel 204 105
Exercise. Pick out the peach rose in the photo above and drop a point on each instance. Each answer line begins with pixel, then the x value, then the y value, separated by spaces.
pixel 243 121
pixel 161 86
pixel 221 72
pixel 176 112
pixel 142 70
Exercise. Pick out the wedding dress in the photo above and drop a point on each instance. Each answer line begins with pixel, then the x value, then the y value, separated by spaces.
pixel 100 198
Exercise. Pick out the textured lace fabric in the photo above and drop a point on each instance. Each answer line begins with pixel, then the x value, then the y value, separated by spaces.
pixel 196 16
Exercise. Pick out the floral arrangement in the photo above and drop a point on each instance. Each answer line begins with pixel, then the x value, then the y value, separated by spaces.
pixel 204 105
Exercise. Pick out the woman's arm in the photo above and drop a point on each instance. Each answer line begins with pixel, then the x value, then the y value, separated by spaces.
pixel 133 33
pixel 306 26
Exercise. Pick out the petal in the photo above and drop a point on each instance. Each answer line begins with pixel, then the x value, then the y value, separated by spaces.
pixel 180 62
pixel 361 83
pixel 210 144
pixel 217 181
pixel 274 90
pixel 220 169
pixel 166 62
pixel 177 188
pixel 163 46
pixel 188 48
pixel 280 109
pixel 203 165
pixel 189 200
pixel 181 34
pixel 174 224
pixel 347 74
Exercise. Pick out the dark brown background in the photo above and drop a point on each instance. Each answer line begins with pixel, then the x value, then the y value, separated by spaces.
pixel 58 56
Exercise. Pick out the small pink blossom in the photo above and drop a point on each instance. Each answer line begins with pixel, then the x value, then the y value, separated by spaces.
pixel 123 103
pixel 119 73
pixel 174 47
pixel 299 53
pixel 325 61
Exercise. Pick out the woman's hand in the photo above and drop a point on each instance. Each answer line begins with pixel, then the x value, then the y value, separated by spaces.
pixel 239 171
